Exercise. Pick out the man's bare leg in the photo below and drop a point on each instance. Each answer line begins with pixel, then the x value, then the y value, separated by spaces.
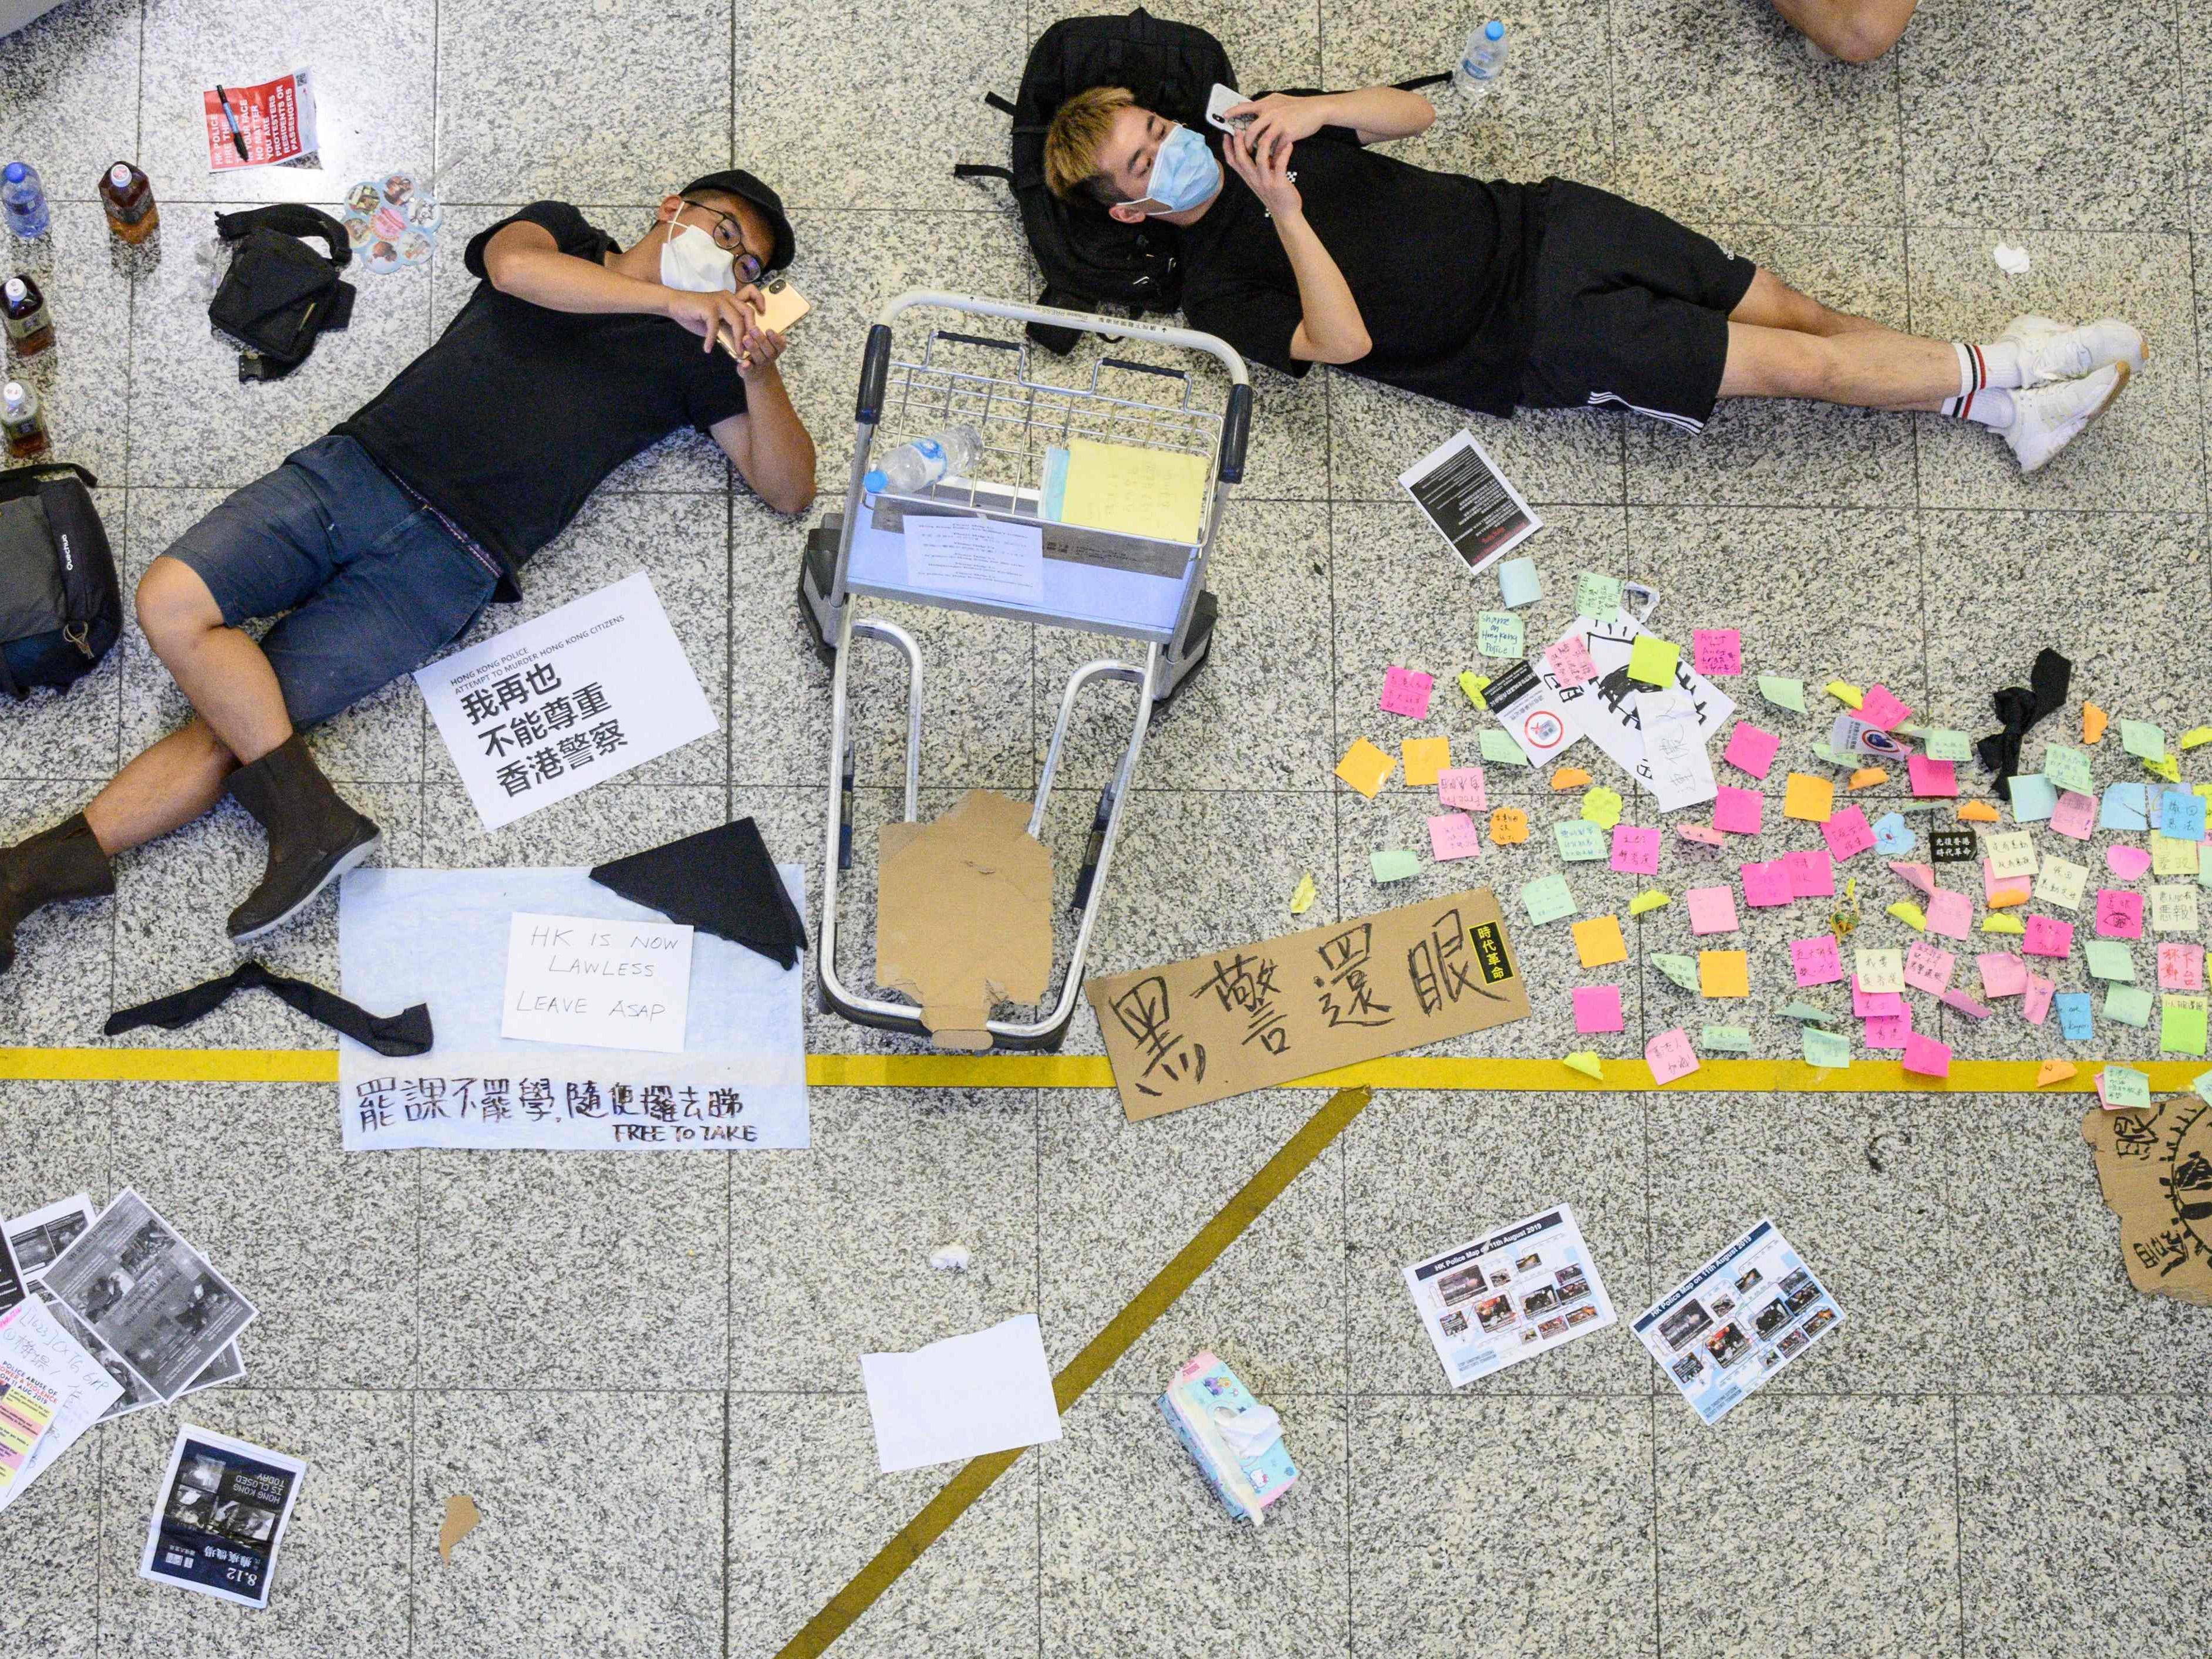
pixel 1856 31
pixel 1770 302
pixel 221 671
pixel 1866 368
pixel 165 788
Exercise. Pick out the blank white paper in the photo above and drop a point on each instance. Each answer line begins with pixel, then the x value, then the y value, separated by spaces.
pixel 958 1399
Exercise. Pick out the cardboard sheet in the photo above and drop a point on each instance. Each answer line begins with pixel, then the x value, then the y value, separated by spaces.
pixel 2155 1169
pixel 1252 1016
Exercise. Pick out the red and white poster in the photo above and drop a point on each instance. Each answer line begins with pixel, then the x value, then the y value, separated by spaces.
pixel 260 126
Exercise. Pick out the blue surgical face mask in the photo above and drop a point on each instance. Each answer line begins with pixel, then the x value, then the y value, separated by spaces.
pixel 1184 173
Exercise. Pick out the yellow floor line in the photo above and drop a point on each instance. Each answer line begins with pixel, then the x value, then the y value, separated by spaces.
pixel 934 1071
pixel 1121 1333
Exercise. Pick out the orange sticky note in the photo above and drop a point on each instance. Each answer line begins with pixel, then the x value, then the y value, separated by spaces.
pixel 2053 1071
pixel 1976 812
pixel 2005 897
pixel 1598 941
pixel 1809 798
pixel 1724 973
pixel 1508 825
pixel 2094 722
pixel 1571 777
pixel 1867 776
pixel 1364 767
pixel 1423 758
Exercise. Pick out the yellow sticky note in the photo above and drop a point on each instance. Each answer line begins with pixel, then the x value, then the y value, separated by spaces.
pixel 2166 766
pixel 2195 737
pixel 1724 973
pixel 1585 1060
pixel 1423 758
pixel 1911 915
pixel 1652 659
pixel 1364 767
pixel 1474 684
pixel 1598 941
pixel 1846 694
pixel 1159 493
pixel 1650 899
pixel 1601 806
pixel 1303 896
pixel 1997 924
pixel 1809 798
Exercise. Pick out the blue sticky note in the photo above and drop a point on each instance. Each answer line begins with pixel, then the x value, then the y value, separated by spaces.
pixel 2126 806
pixel 2181 815
pixel 2074 1024
pixel 1892 834
pixel 2032 797
pixel 1517 582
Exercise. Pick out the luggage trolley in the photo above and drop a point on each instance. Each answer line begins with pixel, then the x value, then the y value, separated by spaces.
pixel 1126 587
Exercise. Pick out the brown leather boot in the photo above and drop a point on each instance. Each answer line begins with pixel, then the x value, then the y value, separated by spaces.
pixel 64 862
pixel 314 837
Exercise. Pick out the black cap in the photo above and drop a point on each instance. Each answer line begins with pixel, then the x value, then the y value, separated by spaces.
pixel 735 181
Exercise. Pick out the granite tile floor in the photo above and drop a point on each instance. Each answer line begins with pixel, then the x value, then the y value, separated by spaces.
pixel 645 1374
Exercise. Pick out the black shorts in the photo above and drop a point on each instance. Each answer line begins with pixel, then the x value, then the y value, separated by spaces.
pixel 1626 307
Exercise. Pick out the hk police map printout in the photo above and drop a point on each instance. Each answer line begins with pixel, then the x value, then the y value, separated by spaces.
pixel 1520 1292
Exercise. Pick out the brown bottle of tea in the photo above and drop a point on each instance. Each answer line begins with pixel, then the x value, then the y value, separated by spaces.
pixel 128 195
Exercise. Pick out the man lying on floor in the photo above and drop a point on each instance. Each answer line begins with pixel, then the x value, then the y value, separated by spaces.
pixel 382 541
pixel 1493 297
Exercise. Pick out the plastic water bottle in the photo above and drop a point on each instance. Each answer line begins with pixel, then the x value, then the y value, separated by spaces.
pixel 24 199
pixel 913 465
pixel 1481 61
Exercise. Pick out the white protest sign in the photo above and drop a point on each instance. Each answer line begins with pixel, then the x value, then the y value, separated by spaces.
pixel 592 983
pixel 551 707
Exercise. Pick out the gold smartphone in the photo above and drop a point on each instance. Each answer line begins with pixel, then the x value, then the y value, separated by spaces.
pixel 782 306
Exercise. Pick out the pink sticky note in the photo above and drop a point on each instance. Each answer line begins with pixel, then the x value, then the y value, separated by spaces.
pixel 1765 885
pixel 1847 833
pixel 1597 1008
pixel 1954 997
pixel 1928 968
pixel 2119 915
pixel 1751 750
pixel 1817 960
pixel 1635 850
pixel 2003 974
pixel 1712 909
pixel 1570 664
pixel 1875 1005
pixel 1926 1057
pixel 1716 650
pixel 2035 1004
pixel 1736 811
pixel 1951 914
pixel 1889 1031
pixel 2181 967
pixel 1405 692
pixel 1922 876
pixel 1669 1055
pixel 1993 883
pixel 2126 862
pixel 1462 786
pixel 2074 816
pixel 1703 834
pixel 1811 874
pixel 2047 936
pixel 1879 707
pixel 1452 835
pixel 1931 777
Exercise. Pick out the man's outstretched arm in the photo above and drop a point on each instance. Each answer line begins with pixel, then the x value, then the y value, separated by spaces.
pixel 768 444
pixel 1377 114
pixel 523 260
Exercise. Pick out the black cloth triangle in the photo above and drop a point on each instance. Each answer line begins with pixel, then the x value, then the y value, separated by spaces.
pixel 395 1035
pixel 2020 706
pixel 720 879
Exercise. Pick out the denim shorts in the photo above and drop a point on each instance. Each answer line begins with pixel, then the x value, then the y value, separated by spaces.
pixel 370 585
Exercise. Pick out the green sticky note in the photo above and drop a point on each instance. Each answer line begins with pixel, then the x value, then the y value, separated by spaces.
pixel 1474 684
pixel 2110 958
pixel 2181 1025
pixel 2124 1086
pixel 1547 899
pixel 1941 743
pixel 1807 1012
pixel 2068 770
pixel 1500 633
pixel 1579 839
pixel 1601 806
pixel 1782 692
pixel 1835 758
pixel 1500 750
pixel 1652 659
pixel 1683 971
pixel 1826 1048
pixel 2203 1083
pixel 2127 1003
pixel 1396 864
pixel 1596 597
pixel 1726 1039
pixel 2140 738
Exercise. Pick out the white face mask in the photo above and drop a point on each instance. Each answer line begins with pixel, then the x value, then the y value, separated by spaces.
pixel 691 259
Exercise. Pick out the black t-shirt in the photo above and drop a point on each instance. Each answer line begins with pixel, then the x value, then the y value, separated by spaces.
pixel 1438 263
pixel 513 417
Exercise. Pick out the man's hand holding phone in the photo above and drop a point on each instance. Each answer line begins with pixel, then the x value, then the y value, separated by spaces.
pixel 1280 120
pixel 1264 165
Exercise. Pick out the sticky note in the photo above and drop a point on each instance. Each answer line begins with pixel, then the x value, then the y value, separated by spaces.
pixel 1670 1054
pixel 1723 974
pixel 1976 812
pixel 2142 739
pixel 1716 651
pixel 1806 1011
pixel 2003 974
pixel 2119 914
pixel 1597 596
pixel 2074 816
pixel 2061 881
pixel 1424 760
pixel 1499 750
pixel 1931 777
pixel 1547 899
pixel 2181 1025
pixel 1462 786
pixel 2053 1071
pixel 1393 864
pixel 2128 863
pixel 2075 1023
pixel 1405 692
pixel 1635 850
pixel 2033 799
pixel 1452 835
pixel 2035 1001
pixel 1601 806
pixel 2181 967
pixel 1751 749
pixel 1570 661
pixel 1597 1008
pixel 1999 891
pixel 1586 1062
pixel 2122 1088
pixel 1579 840
pixel 1736 811
pixel 1700 835
pixel 1682 969
pixel 1766 884
pixel 1879 706
pixel 1847 834
pixel 1880 970
pixel 1846 693
pixel 2195 737
pixel 2094 721
pixel 2067 769
pixel 2109 958
pixel 2166 766
pixel 1652 659
pixel 1725 1039
pixel 1509 826
pixel 1303 896
pixel 2012 854
pixel 1929 968
pixel 1997 922
pixel 1943 743
pixel 1564 778
pixel 1472 685
pixel 1812 874
pixel 1816 960
pixel 1925 1057
pixel 1877 1005
pixel 2130 1005
pixel 1950 913
pixel 1911 915
pixel 2173 909
pixel 1499 634
pixel 1807 798
pixel 1518 583
pixel 1890 834
pixel 1825 1049
pixel 2169 857
pixel 1866 777
pixel 1650 899
pixel 1364 767
pixel 1712 909
pixel 1598 941
pixel 1914 875
pixel 1782 692
pixel 2181 815
pixel 2125 806
pixel 1955 997
pixel 2047 936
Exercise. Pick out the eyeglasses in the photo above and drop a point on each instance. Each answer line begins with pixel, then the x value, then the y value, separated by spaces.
pixel 729 235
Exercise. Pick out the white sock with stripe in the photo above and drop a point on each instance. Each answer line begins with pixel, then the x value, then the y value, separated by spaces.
pixel 1986 375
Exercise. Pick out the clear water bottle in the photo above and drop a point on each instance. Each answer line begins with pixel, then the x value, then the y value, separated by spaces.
pixel 1481 61
pixel 913 465
pixel 24 199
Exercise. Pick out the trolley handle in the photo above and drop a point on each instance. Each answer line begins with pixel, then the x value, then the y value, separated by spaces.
pixel 1235 428
pixel 875 369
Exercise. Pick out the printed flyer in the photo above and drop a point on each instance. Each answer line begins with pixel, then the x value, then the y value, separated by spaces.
pixel 1738 1320
pixel 1524 1290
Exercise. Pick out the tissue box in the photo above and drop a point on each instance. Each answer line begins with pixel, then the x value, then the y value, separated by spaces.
pixel 1245 1490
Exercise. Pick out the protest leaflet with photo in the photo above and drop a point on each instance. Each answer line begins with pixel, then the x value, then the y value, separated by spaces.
pixel 51 1392
pixel 151 1298
pixel 1469 500
pixel 136 1397
pixel 219 1517
pixel 553 706
pixel 1738 1320
pixel 37 1237
pixel 1522 1290
pixel 276 120
pixel 1605 709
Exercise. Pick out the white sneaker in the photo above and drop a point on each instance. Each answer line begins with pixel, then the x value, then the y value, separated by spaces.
pixel 2045 419
pixel 2051 351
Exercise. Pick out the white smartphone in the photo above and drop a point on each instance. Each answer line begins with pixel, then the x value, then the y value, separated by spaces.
pixel 1221 99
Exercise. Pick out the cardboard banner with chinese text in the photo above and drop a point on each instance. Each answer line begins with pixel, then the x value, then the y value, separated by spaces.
pixel 1253 1016
pixel 2155 1169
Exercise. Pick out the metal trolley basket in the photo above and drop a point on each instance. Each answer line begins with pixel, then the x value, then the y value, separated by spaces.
pixel 1128 587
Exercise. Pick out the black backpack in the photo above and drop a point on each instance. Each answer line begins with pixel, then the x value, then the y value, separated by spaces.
pixel 279 294
pixel 1090 260
pixel 60 610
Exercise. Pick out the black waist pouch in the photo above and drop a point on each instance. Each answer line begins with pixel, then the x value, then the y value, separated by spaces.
pixel 279 294
pixel 60 610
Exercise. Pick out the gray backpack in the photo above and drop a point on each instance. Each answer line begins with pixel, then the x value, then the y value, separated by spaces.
pixel 60 608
